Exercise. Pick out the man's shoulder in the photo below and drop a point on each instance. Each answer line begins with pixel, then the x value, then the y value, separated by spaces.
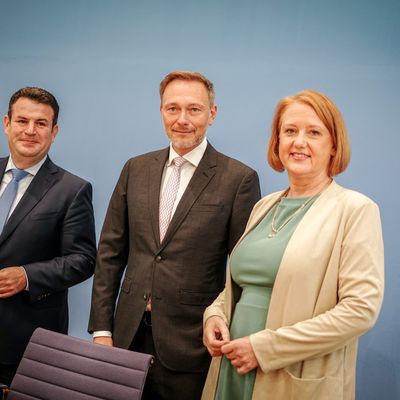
pixel 232 164
pixel 143 160
pixel 160 154
pixel 65 176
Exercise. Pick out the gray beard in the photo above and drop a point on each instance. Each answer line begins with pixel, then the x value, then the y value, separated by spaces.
pixel 182 144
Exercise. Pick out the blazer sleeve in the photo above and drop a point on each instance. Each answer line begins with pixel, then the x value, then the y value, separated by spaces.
pixel 217 308
pixel 248 194
pixel 77 250
pixel 360 293
pixel 111 259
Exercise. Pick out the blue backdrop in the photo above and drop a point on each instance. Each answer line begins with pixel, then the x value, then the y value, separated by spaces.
pixel 104 59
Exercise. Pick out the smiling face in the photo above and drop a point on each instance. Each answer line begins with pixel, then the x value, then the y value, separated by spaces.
pixel 305 144
pixel 186 113
pixel 30 131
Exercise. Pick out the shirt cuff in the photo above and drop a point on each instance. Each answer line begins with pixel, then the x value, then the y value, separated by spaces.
pixel 26 277
pixel 101 333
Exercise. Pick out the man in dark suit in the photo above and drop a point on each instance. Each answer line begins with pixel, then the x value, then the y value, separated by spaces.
pixel 47 236
pixel 171 231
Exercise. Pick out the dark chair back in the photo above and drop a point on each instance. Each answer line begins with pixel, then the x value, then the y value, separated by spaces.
pixel 61 367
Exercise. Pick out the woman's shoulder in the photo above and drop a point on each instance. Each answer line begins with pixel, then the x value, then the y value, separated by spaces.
pixel 269 199
pixel 263 205
pixel 348 197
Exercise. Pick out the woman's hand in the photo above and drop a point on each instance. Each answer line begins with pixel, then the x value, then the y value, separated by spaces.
pixel 241 354
pixel 215 335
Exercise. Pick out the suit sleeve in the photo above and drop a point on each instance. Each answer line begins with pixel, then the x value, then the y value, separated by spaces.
pixel 77 251
pixel 111 259
pixel 360 294
pixel 246 197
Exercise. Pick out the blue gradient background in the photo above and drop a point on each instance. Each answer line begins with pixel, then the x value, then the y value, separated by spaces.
pixel 104 59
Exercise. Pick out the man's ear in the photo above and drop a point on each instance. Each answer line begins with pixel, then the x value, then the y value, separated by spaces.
pixel 54 132
pixel 213 114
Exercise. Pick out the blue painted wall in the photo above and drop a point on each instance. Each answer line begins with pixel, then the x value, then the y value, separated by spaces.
pixel 104 59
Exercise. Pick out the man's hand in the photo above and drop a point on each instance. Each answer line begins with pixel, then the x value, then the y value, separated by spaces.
pixel 241 354
pixel 12 281
pixel 106 340
pixel 215 335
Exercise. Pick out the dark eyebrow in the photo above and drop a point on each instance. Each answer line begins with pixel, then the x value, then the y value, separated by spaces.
pixel 36 120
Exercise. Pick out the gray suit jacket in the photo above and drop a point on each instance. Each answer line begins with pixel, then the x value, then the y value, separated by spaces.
pixel 186 271
pixel 51 233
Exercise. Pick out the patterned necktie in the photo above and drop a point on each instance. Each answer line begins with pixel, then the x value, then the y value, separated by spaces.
pixel 8 196
pixel 168 196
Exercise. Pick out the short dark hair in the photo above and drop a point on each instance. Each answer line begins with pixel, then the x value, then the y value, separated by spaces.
pixel 188 76
pixel 36 94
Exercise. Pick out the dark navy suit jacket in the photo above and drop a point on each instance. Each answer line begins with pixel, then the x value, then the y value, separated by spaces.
pixel 51 234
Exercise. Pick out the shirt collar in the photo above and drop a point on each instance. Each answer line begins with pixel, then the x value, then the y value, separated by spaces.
pixel 32 170
pixel 194 156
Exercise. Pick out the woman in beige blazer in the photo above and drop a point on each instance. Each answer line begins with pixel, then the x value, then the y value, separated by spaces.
pixel 327 287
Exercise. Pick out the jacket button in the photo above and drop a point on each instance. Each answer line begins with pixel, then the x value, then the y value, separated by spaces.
pixel 158 258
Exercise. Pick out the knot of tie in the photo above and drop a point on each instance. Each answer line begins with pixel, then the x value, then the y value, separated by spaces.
pixel 18 174
pixel 179 161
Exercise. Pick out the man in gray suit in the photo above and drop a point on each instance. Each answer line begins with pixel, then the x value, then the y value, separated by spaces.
pixel 173 218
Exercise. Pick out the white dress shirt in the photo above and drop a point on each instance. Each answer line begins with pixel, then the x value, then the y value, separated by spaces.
pixel 22 187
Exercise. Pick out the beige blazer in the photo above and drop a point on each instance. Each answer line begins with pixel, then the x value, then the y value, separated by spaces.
pixel 328 292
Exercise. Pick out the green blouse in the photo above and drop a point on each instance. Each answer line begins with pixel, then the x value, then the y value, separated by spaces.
pixel 254 265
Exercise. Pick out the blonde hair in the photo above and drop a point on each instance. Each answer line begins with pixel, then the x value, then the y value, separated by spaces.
pixel 331 117
pixel 188 76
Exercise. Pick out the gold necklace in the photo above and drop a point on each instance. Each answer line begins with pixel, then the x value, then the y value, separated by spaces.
pixel 275 230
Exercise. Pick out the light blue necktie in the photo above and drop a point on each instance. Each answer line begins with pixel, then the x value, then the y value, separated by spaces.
pixel 8 196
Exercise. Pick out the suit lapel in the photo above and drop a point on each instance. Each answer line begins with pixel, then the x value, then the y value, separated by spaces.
pixel 156 170
pixel 41 183
pixel 3 164
pixel 201 177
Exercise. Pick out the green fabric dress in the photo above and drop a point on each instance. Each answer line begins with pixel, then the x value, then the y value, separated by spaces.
pixel 254 265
